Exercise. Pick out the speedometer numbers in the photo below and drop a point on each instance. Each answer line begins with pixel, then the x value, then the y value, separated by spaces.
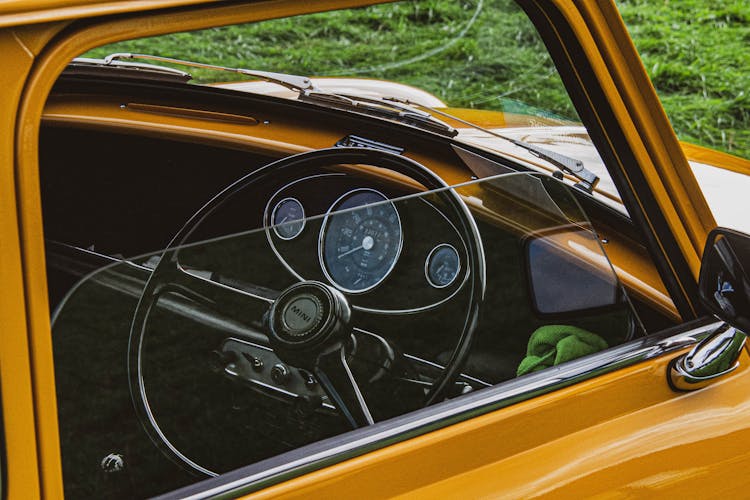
pixel 442 266
pixel 360 240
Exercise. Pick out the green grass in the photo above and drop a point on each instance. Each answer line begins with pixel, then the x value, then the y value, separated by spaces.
pixel 485 54
pixel 698 56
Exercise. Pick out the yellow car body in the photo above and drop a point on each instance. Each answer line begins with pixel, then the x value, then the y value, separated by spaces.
pixel 617 432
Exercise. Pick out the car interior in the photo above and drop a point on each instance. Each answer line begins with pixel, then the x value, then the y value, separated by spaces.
pixel 233 275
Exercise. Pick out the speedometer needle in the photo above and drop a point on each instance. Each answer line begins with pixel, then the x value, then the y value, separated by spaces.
pixel 341 256
pixel 367 243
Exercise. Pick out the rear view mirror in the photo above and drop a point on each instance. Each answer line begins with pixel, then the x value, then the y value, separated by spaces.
pixel 723 284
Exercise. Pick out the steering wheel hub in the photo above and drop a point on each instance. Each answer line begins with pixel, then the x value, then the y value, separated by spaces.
pixel 302 314
pixel 308 316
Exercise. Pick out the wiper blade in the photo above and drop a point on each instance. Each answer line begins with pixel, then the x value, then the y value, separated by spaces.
pixel 292 82
pixel 587 179
pixel 401 112
pixel 87 67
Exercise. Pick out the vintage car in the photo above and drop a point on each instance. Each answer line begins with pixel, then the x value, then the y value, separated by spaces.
pixel 343 284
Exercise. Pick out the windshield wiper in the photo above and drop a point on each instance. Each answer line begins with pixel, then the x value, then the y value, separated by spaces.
pixel 307 91
pixel 292 82
pixel 401 112
pixel 572 166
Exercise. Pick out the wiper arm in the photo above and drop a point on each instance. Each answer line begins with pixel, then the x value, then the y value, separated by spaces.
pixel 304 86
pixel 292 82
pixel 588 179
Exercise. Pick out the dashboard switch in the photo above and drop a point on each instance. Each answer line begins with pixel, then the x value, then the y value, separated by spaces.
pixel 280 373
pixel 255 361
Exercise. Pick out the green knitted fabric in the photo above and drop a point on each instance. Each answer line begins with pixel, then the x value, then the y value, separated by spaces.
pixel 551 345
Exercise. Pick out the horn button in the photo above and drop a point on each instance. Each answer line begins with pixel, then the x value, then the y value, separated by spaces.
pixel 306 319
pixel 301 315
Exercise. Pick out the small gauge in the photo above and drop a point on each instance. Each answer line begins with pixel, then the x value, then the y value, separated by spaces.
pixel 288 218
pixel 442 266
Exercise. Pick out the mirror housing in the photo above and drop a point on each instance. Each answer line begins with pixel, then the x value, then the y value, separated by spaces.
pixel 723 283
pixel 724 290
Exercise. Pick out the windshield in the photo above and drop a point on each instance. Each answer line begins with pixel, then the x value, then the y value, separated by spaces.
pixel 477 54
pixel 474 70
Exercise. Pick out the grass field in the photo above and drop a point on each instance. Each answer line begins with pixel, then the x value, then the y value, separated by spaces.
pixel 486 54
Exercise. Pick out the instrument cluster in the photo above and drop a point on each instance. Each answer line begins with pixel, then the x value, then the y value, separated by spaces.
pixel 390 252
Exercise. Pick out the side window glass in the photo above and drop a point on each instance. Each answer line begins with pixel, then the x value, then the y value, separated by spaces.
pixel 330 317
pixel 217 300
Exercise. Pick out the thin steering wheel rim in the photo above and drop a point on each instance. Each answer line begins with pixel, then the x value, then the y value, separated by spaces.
pixel 297 164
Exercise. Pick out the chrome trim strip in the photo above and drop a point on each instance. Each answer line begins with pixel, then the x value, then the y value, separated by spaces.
pixel 358 442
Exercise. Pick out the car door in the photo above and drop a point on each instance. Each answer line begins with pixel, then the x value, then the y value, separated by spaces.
pixel 607 422
pixel 648 438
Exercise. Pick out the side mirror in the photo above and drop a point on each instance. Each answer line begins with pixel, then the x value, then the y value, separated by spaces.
pixel 724 289
pixel 723 284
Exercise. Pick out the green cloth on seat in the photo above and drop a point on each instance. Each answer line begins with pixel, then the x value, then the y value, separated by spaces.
pixel 551 345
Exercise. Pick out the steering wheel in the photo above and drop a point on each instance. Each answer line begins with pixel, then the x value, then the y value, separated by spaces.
pixel 309 325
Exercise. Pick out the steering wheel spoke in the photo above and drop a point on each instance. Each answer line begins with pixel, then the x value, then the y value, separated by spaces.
pixel 227 299
pixel 337 380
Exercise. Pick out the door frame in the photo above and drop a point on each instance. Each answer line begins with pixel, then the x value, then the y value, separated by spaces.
pixel 594 55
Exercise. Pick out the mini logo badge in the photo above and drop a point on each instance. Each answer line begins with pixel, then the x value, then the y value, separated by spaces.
pixel 301 314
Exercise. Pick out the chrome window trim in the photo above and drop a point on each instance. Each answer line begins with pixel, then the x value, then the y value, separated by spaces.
pixel 337 449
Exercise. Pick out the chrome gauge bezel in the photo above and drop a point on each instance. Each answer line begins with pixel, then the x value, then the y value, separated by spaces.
pixel 274 226
pixel 324 226
pixel 427 265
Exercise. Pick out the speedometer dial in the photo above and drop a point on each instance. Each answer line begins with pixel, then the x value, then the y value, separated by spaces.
pixel 360 246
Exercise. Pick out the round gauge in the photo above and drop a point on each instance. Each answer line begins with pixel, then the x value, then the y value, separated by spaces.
pixel 360 246
pixel 442 266
pixel 288 218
